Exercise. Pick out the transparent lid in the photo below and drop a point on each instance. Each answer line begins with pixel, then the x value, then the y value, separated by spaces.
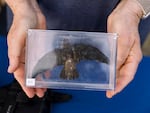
pixel 70 59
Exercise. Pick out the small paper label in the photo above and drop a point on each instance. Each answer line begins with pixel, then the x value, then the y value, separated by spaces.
pixel 30 82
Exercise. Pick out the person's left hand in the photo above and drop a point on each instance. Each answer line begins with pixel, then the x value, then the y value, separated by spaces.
pixel 124 21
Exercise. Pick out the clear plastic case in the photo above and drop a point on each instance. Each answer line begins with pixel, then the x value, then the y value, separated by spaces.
pixel 70 59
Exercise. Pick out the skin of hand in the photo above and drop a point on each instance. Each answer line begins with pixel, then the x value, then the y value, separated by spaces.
pixel 26 15
pixel 124 21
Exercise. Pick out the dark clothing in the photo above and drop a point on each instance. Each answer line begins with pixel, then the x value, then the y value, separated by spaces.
pixel 85 15
pixel 3 21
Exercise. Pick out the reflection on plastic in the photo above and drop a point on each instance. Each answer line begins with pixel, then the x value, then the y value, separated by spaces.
pixel 71 59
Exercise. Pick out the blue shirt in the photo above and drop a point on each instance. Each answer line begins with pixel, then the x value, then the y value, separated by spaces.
pixel 84 15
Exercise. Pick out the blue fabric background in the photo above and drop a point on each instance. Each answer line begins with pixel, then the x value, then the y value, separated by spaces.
pixel 5 78
pixel 134 98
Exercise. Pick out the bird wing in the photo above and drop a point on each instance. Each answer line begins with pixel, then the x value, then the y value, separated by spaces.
pixel 58 57
pixel 89 52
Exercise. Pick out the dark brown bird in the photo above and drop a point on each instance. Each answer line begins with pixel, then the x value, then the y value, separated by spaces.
pixel 69 55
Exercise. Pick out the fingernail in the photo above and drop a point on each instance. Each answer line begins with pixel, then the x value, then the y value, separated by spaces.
pixel 109 96
pixel 10 69
pixel 31 95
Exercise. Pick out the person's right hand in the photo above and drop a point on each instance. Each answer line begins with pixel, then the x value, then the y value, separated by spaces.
pixel 26 15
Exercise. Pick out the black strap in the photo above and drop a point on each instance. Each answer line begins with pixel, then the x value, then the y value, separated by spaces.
pixel 14 100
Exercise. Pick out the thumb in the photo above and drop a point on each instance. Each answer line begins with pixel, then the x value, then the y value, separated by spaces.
pixel 16 43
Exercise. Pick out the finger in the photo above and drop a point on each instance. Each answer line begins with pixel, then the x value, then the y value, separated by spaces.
pixel 13 63
pixel 16 40
pixel 124 40
pixel 19 76
pixel 125 77
pixel 126 73
pixel 44 89
pixel 124 46
pixel 40 92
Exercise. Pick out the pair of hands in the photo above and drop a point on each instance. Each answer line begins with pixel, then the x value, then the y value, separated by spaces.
pixel 123 20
